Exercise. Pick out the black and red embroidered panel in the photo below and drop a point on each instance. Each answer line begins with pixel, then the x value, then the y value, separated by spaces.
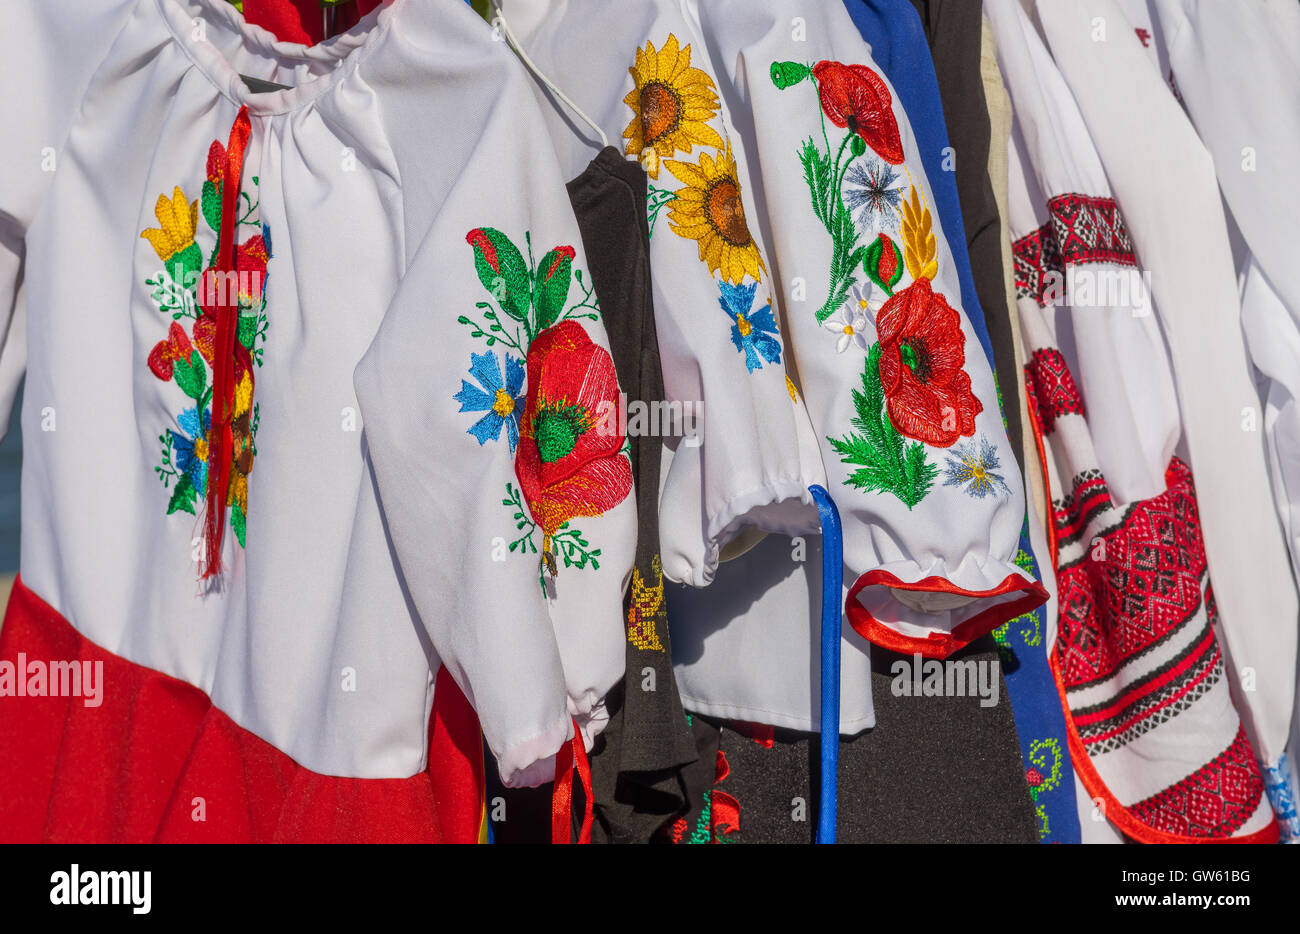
pixel 1080 229
pixel 1051 389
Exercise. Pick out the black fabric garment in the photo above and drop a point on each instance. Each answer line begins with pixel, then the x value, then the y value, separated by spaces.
pixel 638 760
pixel 933 770
pixel 952 28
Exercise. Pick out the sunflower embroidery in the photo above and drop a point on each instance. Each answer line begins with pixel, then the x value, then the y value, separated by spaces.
pixel 708 210
pixel 672 104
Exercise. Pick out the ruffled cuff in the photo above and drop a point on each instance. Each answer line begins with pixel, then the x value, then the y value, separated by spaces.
pixel 933 612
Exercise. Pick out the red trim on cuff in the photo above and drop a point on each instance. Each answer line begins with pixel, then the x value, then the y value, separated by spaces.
pixel 938 645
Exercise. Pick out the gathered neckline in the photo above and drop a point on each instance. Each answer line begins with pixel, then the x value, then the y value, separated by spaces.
pixel 345 51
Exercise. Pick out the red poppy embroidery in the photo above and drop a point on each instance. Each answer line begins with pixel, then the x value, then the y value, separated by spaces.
pixel 922 351
pixel 570 460
pixel 166 352
pixel 855 97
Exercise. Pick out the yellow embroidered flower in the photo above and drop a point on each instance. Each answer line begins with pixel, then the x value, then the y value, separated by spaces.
pixel 672 104
pixel 243 395
pixel 708 210
pixel 789 387
pixel 238 494
pixel 177 219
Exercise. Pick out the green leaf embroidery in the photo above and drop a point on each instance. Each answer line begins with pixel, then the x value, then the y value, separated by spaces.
pixel 182 498
pixel 502 270
pixel 554 275
pixel 817 174
pixel 212 204
pixel 184 266
pixel 191 375
pixel 246 330
pixel 238 522
pixel 886 464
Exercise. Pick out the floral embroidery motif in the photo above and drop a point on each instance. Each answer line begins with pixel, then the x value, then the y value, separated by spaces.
pixel 570 461
pixel 1040 784
pixel 569 455
pixel 855 98
pixel 851 326
pixel 709 211
pixel 186 357
pixel 644 607
pixel 753 333
pixel 927 392
pixel 872 196
pixel 914 384
pixel 886 464
pixel 972 467
pixel 499 397
pixel 672 104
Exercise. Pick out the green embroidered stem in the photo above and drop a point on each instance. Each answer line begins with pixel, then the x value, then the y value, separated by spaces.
pixel 252 206
pixel 656 198
pixel 886 464
pixel 837 177
pixel 523 520
pixel 172 297
pixel 168 469
pixel 492 316
pixel 588 301
pixel 574 549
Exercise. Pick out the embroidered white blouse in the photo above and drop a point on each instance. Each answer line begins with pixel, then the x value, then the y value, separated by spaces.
pixel 395 219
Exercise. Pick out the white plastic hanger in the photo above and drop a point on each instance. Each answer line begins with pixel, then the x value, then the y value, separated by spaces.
pixel 499 19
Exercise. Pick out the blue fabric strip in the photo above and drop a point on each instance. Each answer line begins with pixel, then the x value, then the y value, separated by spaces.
pixel 894 32
pixel 832 590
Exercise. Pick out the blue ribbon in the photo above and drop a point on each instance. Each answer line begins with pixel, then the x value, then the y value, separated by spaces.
pixel 832 589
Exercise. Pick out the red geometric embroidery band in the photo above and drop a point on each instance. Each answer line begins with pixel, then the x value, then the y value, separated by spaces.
pixel 1080 229
pixel 1051 387
pixel 1214 801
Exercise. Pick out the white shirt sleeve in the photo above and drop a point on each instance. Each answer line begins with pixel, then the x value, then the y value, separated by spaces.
pixel 902 399
pixel 748 454
pixel 490 405
pixel 53 49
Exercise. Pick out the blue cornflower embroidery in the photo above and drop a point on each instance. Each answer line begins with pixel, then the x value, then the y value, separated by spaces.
pixel 755 335
pixel 191 448
pixel 974 468
pixel 501 399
